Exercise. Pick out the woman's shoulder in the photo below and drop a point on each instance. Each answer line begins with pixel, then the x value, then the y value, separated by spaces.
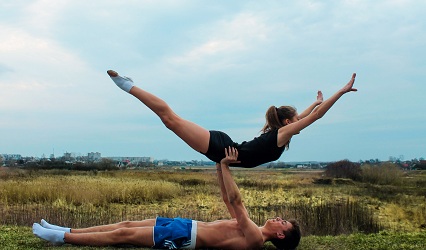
pixel 270 132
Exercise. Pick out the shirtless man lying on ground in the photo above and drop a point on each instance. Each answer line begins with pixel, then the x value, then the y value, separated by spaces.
pixel 240 232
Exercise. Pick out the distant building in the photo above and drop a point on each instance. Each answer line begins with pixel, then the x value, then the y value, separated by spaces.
pixel 132 160
pixel 68 156
pixel 94 156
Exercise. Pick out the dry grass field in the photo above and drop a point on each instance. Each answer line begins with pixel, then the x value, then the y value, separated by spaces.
pixel 326 207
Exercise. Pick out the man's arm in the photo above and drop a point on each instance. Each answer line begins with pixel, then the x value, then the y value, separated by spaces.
pixel 312 106
pixel 251 231
pixel 223 191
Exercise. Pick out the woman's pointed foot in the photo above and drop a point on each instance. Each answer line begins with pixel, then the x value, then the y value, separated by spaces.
pixel 112 73
pixel 125 83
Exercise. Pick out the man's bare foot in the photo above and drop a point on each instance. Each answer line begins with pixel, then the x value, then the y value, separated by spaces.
pixel 112 73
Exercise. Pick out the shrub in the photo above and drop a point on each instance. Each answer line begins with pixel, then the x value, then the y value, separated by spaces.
pixel 192 182
pixel 383 174
pixel 344 169
pixel 333 181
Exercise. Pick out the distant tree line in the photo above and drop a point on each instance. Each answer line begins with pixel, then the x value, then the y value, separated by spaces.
pixel 104 164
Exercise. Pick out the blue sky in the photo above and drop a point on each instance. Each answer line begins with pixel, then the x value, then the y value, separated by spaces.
pixel 220 64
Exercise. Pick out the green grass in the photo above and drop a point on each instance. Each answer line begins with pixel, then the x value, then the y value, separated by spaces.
pixel 22 238
pixel 384 240
pixel 13 237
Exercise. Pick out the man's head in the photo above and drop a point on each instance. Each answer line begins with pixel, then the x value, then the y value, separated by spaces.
pixel 287 234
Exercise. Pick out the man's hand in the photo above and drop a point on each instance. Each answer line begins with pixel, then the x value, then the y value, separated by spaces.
pixel 231 156
pixel 349 86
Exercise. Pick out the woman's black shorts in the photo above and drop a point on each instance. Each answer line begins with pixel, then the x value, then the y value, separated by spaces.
pixel 217 144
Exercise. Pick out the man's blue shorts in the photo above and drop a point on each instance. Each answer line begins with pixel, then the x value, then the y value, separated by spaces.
pixel 174 233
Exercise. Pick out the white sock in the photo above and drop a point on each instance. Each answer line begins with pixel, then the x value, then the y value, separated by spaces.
pixel 53 236
pixel 125 83
pixel 46 224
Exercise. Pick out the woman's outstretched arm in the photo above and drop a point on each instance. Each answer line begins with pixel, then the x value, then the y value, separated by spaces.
pixel 285 133
pixel 327 104
pixel 312 106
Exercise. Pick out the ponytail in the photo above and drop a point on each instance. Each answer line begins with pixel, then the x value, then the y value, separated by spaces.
pixel 272 120
pixel 275 117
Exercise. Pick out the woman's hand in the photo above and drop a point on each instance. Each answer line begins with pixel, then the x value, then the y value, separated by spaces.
pixel 349 86
pixel 231 156
pixel 320 98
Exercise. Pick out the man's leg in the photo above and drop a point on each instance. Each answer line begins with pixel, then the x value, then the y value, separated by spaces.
pixel 111 227
pixel 102 228
pixel 138 236
pixel 194 135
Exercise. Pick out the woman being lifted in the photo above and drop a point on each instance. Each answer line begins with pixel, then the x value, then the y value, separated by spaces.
pixel 281 124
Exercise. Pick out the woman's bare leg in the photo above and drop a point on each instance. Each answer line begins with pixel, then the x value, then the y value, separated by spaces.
pixel 138 236
pixel 112 227
pixel 194 135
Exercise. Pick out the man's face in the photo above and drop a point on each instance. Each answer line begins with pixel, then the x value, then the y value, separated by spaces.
pixel 280 224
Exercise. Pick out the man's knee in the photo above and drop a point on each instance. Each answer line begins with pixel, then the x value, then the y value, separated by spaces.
pixel 125 224
pixel 123 233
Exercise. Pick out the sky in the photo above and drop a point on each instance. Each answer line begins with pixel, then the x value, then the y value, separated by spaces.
pixel 220 64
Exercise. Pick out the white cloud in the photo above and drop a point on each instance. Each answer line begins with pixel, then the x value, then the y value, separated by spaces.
pixel 39 71
pixel 41 15
pixel 222 40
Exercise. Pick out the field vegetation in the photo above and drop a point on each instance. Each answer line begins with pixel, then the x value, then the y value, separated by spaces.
pixel 349 206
